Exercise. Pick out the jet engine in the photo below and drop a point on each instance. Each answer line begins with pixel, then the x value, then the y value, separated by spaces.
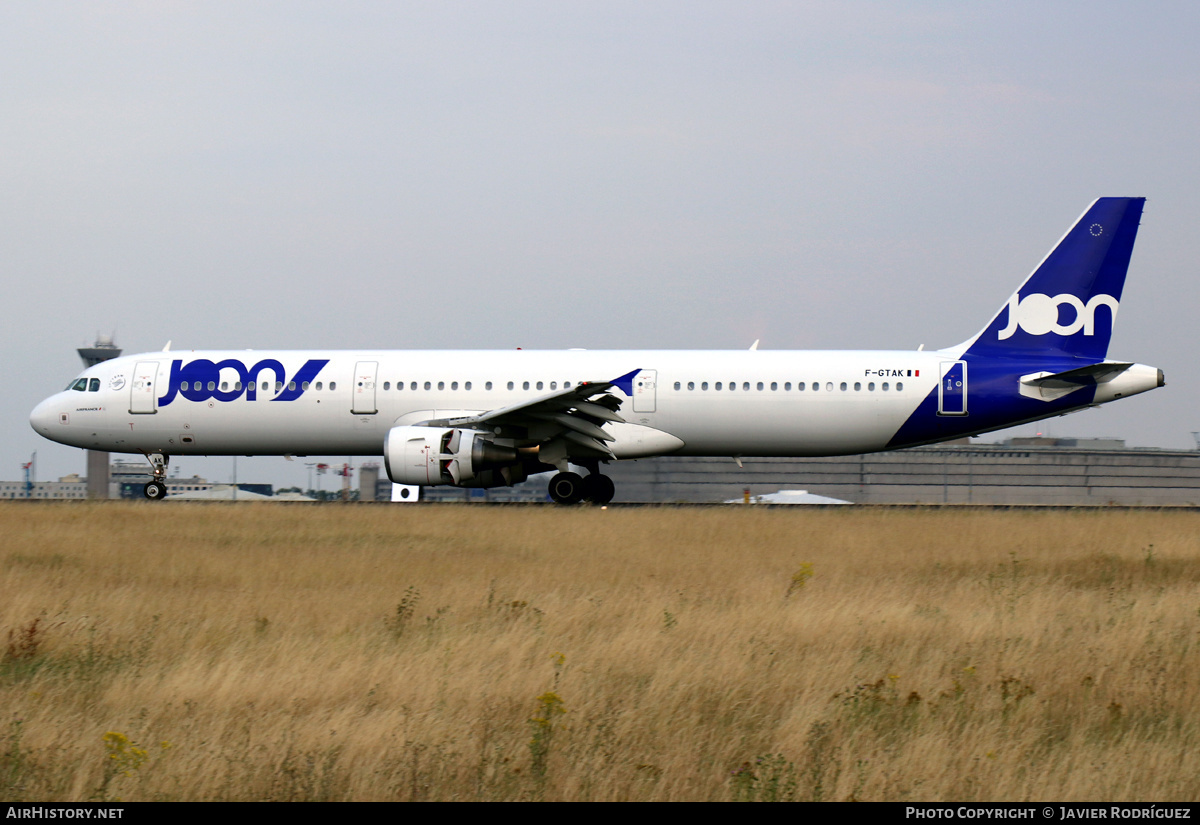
pixel 430 456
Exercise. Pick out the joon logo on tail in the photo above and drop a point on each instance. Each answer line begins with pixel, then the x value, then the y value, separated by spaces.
pixel 200 380
pixel 1038 314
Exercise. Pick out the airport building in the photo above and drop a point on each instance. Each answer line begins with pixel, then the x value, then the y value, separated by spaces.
pixel 125 479
pixel 73 486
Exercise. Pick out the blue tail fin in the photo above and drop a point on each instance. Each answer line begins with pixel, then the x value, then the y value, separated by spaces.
pixel 1068 305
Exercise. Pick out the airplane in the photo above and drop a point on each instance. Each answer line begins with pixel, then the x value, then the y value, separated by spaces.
pixel 493 418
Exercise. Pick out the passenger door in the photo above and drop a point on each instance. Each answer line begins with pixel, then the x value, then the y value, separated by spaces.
pixel 365 373
pixel 143 390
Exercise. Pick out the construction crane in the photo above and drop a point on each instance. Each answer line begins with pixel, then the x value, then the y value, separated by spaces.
pixel 29 468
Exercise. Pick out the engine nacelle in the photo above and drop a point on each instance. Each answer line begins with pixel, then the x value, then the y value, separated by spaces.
pixel 430 456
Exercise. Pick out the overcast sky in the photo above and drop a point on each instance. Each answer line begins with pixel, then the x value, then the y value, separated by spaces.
pixel 574 174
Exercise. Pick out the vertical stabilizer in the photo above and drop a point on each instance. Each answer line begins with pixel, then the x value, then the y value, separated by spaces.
pixel 1069 304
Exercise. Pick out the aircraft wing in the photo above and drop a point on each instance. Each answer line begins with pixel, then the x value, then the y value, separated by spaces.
pixel 575 415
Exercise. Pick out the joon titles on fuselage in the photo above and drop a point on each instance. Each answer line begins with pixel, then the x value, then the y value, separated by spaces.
pixel 200 380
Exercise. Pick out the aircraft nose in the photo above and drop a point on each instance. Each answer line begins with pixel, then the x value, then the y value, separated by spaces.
pixel 43 416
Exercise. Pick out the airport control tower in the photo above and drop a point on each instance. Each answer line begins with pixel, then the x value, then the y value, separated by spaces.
pixel 97 462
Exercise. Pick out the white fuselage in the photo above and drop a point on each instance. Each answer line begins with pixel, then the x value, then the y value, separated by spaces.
pixel 687 403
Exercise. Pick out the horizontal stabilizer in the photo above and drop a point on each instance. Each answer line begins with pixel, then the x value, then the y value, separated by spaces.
pixel 1047 386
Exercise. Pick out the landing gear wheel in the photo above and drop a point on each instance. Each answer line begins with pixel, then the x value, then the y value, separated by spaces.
pixel 155 489
pixel 566 488
pixel 598 489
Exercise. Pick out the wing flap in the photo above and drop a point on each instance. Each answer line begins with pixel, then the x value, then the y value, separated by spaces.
pixel 574 415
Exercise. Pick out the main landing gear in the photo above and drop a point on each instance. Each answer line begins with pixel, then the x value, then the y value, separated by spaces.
pixel 156 489
pixel 572 488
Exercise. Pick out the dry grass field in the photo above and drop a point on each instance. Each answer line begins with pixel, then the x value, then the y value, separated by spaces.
pixel 264 652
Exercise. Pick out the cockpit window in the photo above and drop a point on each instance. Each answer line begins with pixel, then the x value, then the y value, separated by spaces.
pixel 94 385
pixel 79 386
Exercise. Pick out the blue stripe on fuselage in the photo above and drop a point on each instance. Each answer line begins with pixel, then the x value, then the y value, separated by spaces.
pixel 994 401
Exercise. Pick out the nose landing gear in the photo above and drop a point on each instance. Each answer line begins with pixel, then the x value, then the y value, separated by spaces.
pixel 156 489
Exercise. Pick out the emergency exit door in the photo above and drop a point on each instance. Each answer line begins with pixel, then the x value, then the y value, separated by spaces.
pixel 644 391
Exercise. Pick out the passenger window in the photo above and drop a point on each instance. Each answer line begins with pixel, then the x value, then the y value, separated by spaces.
pixel 829 386
pixel 237 386
pixel 677 385
pixel 278 386
pixel 292 386
pixel 787 385
pixel 510 385
pixel 871 387
pixel 428 386
pixel 800 386
pixel 224 386
pixel 441 385
pixel 539 385
pixel 566 385
pixel 760 386
pixel 843 386
pixel 387 385
pixel 717 385
pixel 885 386
pixel 488 385
pixel 899 386
pixel 704 385
pixel 857 386
pixel 691 385
pixel 774 386
pixel 412 386
pixel 320 385
pixel 453 385
pixel 332 386
pixel 746 386
pixel 304 386
pixel 94 385
pixel 467 386
pixel 265 386
pixel 525 385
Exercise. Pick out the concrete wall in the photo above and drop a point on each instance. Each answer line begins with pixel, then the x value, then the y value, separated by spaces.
pixel 957 474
